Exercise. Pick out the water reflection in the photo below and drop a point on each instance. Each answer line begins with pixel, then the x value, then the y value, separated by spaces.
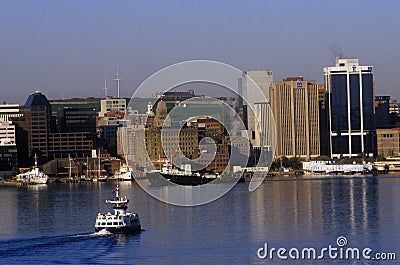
pixel 282 213
pixel 8 210
pixel 350 205
pixel 314 209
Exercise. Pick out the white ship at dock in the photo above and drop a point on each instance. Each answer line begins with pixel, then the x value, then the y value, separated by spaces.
pixel 34 176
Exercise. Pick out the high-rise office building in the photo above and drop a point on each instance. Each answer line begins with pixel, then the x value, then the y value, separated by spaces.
pixel 79 103
pixel 36 129
pixel 131 144
pixel 382 115
pixel 323 121
pixel 76 120
pixel 263 79
pixel 37 113
pixel 294 103
pixel 350 92
pixel 254 87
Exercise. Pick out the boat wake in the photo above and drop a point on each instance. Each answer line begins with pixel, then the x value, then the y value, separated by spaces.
pixel 38 250
pixel 102 232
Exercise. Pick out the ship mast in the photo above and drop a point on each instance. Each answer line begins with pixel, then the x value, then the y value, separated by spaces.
pixel 118 79
pixel 87 166
pixel 99 165
pixel 117 192
pixel 120 205
pixel 69 167
pixel 105 86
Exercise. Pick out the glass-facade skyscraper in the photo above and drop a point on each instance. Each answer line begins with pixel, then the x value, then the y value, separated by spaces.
pixel 350 92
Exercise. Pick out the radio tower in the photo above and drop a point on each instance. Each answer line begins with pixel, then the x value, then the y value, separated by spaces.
pixel 105 86
pixel 118 79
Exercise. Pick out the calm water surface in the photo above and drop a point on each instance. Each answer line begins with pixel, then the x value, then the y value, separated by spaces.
pixel 54 224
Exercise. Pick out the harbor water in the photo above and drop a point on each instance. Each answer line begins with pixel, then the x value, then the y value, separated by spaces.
pixel 54 224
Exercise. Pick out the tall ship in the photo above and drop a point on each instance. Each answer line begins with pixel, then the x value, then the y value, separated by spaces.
pixel 34 176
pixel 119 222
pixel 101 174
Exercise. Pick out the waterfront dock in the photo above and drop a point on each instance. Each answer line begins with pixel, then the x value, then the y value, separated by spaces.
pixel 15 183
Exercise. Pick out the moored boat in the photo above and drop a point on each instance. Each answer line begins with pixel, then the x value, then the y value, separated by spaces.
pixel 178 176
pixel 124 173
pixel 34 176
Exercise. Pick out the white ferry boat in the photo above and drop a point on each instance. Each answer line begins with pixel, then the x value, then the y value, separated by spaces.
pixel 120 222
pixel 35 176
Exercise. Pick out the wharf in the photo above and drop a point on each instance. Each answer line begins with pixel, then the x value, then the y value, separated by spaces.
pixel 15 183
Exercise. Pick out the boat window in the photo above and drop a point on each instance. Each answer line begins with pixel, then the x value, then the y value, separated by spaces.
pixel 103 223
pixel 120 223
pixel 115 223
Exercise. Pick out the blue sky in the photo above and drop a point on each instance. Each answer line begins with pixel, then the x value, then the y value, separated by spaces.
pixel 69 46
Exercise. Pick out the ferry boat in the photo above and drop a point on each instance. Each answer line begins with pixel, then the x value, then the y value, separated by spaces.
pixel 119 222
pixel 35 176
pixel 178 176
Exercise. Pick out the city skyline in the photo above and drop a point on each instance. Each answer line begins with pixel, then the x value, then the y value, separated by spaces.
pixel 69 51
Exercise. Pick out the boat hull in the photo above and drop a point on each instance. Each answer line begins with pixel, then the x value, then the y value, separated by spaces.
pixel 121 230
pixel 188 180
pixel 156 180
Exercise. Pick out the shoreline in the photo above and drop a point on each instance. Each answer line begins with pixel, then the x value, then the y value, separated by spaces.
pixel 268 178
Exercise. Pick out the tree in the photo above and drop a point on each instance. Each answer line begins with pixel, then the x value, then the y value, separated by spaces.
pixel 15 171
pixel 294 163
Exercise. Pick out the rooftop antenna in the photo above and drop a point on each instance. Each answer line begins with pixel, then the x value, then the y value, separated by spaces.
pixel 118 79
pixel 105 86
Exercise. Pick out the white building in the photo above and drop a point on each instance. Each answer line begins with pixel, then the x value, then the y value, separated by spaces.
pixel 263 78
pixel 7 133
pixel 112 104
pixel 131 144
pixel 9 110
pixel 249 87
pixel 265 130
pixel 329 167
